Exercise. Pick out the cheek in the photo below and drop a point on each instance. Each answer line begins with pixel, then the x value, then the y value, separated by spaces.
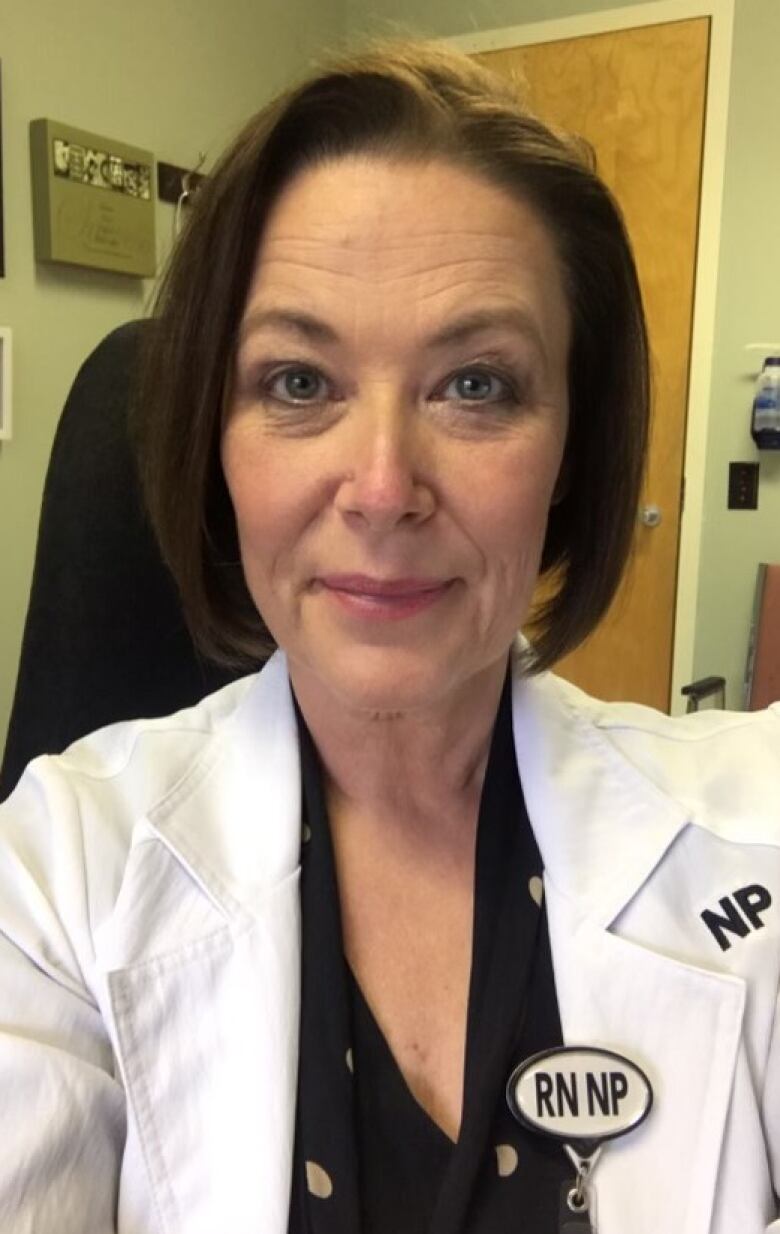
pixel 268 530
pixel 519 539
pixel 278 499
pixel 266 497
pixel 515 520
pixel 512 533
pixel 257 498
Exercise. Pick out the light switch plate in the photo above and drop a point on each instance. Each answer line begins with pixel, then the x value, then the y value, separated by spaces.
pixel 5 383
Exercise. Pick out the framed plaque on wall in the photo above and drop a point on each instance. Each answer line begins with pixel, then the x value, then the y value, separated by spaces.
pixel 93 203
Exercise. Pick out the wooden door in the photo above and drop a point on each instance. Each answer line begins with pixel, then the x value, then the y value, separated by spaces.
pixel 638 96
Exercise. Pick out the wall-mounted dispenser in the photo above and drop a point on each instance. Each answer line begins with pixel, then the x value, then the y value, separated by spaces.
pixel 765 418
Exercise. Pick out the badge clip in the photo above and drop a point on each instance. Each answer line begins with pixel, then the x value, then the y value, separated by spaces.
pixel 577 1210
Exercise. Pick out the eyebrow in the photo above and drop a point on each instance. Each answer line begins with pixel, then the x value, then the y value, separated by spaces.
pixel 477 321
pixel 306 324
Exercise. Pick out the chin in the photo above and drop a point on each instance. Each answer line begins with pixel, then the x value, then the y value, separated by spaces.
pixel 394 687
pixel 385 681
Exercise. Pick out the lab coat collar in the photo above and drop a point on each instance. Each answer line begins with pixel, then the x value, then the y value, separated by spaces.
pixel 601 825
pixel 234 819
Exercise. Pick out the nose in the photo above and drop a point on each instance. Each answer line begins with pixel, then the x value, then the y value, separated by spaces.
pixel 383 466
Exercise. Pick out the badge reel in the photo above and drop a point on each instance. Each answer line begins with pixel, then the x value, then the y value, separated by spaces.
pixel 582 1097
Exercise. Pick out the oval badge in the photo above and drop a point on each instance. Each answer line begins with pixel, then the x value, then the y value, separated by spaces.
pixel 579 1094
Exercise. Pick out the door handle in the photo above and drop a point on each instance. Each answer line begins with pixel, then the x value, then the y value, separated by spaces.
pixel 650 516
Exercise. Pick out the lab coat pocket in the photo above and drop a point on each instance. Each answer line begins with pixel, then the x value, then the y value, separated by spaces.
pixel 207 1038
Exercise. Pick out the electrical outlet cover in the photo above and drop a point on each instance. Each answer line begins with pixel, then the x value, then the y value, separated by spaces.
pixel 743 486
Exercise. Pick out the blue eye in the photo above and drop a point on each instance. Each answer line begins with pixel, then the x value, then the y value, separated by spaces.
pixel 297 385
pixel 478 386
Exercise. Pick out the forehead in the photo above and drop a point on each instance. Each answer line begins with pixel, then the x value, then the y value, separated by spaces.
pixel 429 233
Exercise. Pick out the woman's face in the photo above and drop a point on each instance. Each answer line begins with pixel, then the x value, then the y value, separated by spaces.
pixel 397 425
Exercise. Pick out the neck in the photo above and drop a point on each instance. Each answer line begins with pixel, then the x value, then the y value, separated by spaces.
pixel 425 763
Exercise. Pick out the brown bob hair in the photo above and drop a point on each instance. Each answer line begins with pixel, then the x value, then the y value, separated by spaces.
pixel 415 101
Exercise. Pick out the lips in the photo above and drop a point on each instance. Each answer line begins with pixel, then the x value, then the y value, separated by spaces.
pixel 384 599
pixel 364 585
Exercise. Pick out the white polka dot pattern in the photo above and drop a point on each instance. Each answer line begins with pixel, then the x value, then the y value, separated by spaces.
pixel 536 889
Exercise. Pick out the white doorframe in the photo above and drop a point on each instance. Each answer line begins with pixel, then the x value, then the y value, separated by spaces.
pixel 721 13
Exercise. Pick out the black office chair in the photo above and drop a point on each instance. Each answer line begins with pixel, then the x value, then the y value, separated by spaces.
pixel 104 637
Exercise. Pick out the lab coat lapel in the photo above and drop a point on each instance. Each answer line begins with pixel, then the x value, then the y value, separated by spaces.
pixel 602 828
pixel 207 1039
pixel 204 988
pixel 682 1026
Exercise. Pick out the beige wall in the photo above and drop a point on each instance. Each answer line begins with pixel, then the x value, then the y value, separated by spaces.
pixel 172 77
pixel 748 310
pixel 445 17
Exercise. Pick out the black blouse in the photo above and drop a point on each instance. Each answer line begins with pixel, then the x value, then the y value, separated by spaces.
pixel 368 1159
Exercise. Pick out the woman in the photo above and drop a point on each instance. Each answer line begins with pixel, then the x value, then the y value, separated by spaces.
pixel 269 963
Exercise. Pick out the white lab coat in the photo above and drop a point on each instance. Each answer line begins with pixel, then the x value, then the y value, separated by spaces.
pixel 149 961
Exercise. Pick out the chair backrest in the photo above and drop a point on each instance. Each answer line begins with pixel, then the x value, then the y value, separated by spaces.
pixel 104 637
